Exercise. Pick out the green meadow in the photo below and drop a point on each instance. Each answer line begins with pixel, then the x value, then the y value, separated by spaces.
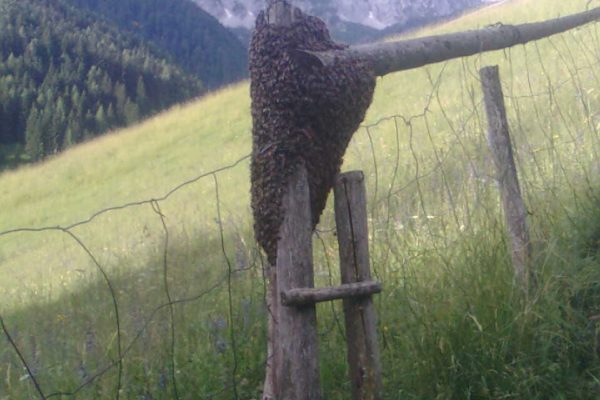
pixel 128 267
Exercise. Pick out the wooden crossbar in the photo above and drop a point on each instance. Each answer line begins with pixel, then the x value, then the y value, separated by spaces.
pixel 302 297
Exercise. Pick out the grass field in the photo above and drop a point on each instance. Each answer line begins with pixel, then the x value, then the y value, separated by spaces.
pixel 452 326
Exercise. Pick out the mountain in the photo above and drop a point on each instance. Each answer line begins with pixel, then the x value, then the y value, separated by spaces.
pixel 189 36
pixel 66 76
pixel 348 19
pixel 74 69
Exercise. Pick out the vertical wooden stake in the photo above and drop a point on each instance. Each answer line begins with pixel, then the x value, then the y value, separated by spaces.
pixel 501 148
pixel 280 13
pixel 272 304
pixel 297 356
pixel 361 319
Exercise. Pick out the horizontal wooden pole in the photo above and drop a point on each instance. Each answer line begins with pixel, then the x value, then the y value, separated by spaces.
pixel 307 296
pixel 407 54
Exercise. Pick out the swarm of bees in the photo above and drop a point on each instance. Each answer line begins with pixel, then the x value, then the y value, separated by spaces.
pixel 303 113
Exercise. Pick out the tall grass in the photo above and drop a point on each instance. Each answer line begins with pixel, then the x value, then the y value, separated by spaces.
pixel 452 325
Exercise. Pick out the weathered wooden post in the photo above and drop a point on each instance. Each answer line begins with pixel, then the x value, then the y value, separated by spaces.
pixel 500 145
pixel 279 13
pixel 296 342
pixel 359 312
pixel 297 376
pixel 293 63
pixel 291 133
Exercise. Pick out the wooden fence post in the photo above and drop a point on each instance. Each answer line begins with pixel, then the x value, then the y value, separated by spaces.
pixel 360 316
pixel 272 305
pixel 296 342
pixel 499 141
pixel 278 13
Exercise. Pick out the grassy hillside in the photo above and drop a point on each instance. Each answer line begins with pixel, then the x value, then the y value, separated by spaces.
pixel 451 324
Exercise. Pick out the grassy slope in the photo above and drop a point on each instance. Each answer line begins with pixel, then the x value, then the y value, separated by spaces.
pixel 132 164
pixel 146 160
pixel 140 163
pixel 443 331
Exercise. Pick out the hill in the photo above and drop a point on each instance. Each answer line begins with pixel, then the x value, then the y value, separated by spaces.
pixel 190 37
pixel 66 76
pixel 71 70
pixel 139 276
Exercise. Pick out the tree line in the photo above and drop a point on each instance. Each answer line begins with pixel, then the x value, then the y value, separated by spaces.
pixel 67 75
pixel 186 34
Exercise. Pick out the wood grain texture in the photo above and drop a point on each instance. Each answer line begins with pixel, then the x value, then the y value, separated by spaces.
pixel 297 362
pixel 500 145
pixel 407 54
pixel 360 316
pixel 302 297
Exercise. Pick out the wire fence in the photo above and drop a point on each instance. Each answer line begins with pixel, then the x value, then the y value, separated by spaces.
pixel 169 302
pixel 124 348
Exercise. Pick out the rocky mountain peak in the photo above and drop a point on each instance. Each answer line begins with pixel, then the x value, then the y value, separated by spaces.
pixel 376 14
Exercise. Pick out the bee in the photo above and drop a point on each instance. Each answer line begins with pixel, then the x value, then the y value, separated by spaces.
pixel 302 113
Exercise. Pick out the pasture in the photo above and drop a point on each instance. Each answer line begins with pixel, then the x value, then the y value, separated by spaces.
pixel 129 268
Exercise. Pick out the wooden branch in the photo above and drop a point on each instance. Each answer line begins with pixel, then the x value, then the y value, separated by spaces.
pixel 500 144
pixel 297 356
pixel 360 316
pixel 302 297
pixel 407 54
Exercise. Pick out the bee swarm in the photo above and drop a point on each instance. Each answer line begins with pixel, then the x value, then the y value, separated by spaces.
pixel 303 113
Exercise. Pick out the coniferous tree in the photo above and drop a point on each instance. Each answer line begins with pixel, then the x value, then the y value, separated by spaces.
pixel 34 146
pixel 183 31
pixel 101 122
pixel 140 96
pixel 132 112
pixel 66 76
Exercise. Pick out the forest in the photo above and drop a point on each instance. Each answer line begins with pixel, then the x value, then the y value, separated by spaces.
pixel 67 74
pixel 189 36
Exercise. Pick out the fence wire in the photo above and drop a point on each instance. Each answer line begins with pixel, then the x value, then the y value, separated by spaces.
pixel 188 320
